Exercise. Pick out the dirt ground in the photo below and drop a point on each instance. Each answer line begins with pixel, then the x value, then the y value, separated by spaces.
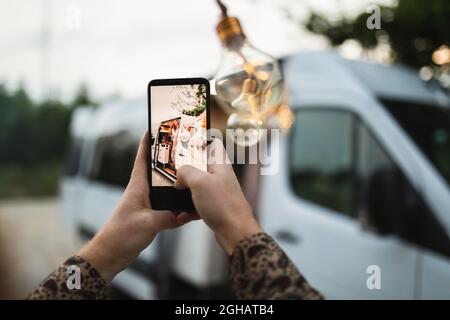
pixel 34 241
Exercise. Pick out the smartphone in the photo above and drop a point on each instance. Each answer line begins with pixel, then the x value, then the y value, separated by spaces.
pixel 178 123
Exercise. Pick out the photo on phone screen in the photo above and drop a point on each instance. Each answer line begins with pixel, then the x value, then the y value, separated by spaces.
pixel 178 130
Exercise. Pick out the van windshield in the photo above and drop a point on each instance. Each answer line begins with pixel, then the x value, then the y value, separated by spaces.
pixel 429 127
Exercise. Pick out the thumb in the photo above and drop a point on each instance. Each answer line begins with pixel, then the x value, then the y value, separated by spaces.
pixel 218 160
pixel 162 220
pixel 189 177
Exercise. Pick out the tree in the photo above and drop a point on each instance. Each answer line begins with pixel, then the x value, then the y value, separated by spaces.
pixel 189 100
pixel 50 132
pixel 414 29
pixel 15 122
pixel 31 133
pixel 33 138
pixel 82 97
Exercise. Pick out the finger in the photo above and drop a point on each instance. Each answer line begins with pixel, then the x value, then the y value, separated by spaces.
pixel 140 162
pixel 218 159
pixel 139 174
pixel 189 177
pixel 162 220
pixel 185 217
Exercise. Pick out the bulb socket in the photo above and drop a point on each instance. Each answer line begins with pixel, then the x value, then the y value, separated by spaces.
pixel 229 27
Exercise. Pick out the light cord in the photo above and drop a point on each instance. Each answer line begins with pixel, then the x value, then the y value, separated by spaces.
pixel 223 8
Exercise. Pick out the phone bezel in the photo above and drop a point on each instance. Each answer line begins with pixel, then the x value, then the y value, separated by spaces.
pixel 164 197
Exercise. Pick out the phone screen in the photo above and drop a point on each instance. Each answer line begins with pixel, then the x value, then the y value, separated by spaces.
pixel 178 130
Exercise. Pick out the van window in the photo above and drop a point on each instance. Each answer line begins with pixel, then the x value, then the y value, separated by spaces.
pixel 393 204
pixel 321 169
pixel 114 158
pixel 429 128
pixel 380 187
pixel 73 157
pixel 370 159
pixel 336 162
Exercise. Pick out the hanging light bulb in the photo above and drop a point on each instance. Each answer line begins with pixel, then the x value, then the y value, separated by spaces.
pixel 248 82
pixel 245 131
pixel 248 100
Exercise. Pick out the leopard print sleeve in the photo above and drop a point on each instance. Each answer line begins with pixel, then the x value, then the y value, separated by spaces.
pixel 259 269
pixel 62 284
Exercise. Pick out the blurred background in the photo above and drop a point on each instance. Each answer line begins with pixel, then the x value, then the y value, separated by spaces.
pixel 363 174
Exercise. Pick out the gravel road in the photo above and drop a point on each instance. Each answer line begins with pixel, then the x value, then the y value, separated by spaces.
pixel 35 241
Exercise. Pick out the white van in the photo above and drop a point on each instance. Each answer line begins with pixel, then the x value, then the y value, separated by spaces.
pixel 362 196
pixel 363 188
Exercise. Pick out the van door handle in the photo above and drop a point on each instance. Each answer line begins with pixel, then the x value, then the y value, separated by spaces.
pixel 287 236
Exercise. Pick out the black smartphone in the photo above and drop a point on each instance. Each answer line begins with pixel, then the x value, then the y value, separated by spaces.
pixel 178 123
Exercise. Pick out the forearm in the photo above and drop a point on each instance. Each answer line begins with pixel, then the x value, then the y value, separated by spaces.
pixel 66 284
pixel 259 269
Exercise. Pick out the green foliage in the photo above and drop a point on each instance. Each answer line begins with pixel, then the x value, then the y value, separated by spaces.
pixel 33 138
pixel 201 98
pixel 82 97
pixel 197 110
pixel 201 92
pixel 415 29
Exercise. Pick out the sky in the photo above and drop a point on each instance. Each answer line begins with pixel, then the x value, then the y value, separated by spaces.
pixel 162 98
pixel 118 46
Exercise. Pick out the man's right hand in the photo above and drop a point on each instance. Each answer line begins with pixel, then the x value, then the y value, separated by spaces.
pixel 218 199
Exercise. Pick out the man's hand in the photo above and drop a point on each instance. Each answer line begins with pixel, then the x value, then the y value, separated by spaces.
pixel 218 199
pixel 132 226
